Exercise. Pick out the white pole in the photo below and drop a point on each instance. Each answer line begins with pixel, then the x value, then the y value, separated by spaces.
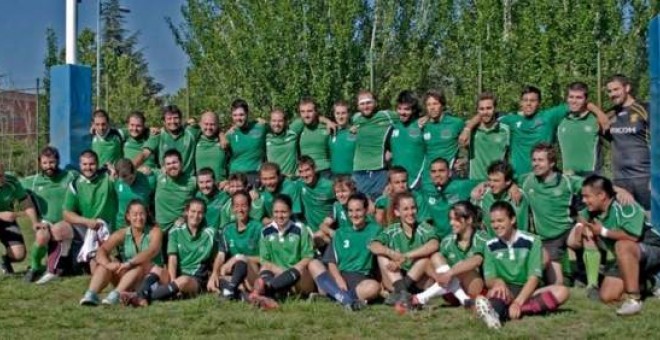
pixel 71 18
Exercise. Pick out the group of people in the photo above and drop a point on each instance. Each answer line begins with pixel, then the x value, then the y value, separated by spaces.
pixel 402 206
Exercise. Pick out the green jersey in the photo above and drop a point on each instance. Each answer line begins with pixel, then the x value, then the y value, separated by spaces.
pixel 408 149
pixel 11 192
pixel 340 215
pixel 317 202
pixel 171 196
pixel 209 154
pixel 528 131
pixel 395 238
pixel 48 193
pixel 452 251
pixel 342 151
pixel 371 138
pixel 214 205
pixel 287 187
pixel 288 247
pixel 108 147
pixel 227 212
pixel 133 147
pixel 579 141
pixel 184 142
pixel 488 144
pixel 436 204
pixel 349 249
pixel 93 198
pixel 441 137
pixel 513 262
pixel 131 248
pixel 313 142
pixel 282 149
pixel 142 189
pixel 550 201
pixel 195 253
pixel 522 210
pixel 241 242
pixel 247 148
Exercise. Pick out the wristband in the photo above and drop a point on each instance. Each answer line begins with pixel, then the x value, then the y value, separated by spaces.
pixel 604 232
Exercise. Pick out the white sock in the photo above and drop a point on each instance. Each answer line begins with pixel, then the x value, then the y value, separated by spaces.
pixel 435 289
pixel 459 293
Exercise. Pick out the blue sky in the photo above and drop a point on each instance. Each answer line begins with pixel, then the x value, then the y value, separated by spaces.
pixel 23 25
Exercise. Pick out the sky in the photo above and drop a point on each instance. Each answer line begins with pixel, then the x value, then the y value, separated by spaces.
pixel 23 25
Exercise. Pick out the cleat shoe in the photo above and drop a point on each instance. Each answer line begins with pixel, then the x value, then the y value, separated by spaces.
pixel 355 306
pixel 391 299
pixel 5 266
pixel 629 307
pixel 31 275
pixel 47 277
pixel 112 298
pixel 593 293
pixel 90 299
pixel 405 303
pixel 228 295
pixel 486 312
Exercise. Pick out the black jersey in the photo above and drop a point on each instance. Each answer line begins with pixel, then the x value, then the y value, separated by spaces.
pixel 630 135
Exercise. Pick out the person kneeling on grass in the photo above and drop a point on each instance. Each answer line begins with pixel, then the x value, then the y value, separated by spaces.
pixel 139 245
pixel 404 250
pixel 348 277
pixel 457 265
pixel 237 261
pixel 285 250
pixel 513 268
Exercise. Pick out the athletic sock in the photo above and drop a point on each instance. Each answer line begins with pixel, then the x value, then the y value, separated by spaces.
pixel 591 258
pixel 326 283
pixel 66 247
pixel 431 292
pixel 540 303
pixel 399 286
pixel 147 285
pixel 54 257
pixel 164 292
pixel 501 308
pixel 285 280
pixel 238 274
pixel 37 253
pixel 566 268
pixel 408 282
pixel 459 293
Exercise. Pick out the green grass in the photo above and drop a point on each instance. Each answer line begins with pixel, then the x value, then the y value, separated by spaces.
pixel 30 311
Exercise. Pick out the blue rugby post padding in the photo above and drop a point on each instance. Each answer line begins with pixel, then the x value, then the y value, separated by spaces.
pixel 70 111
pixel 654 66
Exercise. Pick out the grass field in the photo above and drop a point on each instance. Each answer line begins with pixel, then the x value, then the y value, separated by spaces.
pixel 30 311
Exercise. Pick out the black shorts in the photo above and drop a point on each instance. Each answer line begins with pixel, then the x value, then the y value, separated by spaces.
pixel 353 279
pixel 556 247
pixel 639 188
pixel 649 262
pixel 10 234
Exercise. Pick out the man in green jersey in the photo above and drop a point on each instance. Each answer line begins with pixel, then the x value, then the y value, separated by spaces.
pixel 282 144
pixel 136 136
pixel 500 180
pixel 490 140
pixel 314 136
pixel 622 230
pixel 173 189
pixel 174 136
pixel 47 190
pixel 342 143
pixel 579 133
pixel 406 141
pixel 246 141
pixel 208 151
pixel 273 184
pixel 106 141
pixel 372 128
pixel 316 197
pixel 131 185
pixel 208 192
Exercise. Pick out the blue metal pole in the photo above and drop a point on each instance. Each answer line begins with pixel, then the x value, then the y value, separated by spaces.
pixel 654 66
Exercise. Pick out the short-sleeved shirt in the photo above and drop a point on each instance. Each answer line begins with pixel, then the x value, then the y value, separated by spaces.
pixel 93 198
pixel 317 202
pixel 441 137
pixel 454 253
pixel 130 249
pixel 579 140
pixel 141 189
pixel 209 154
pixel 550 201
pixel 109 147
pixel 436 204
pixel 371 138
pixel 383 203
pixel 528 131
pixel 11 192
pixel 340 215
pixel 248 148
pixel 342 151
pixel 214 204
pixel 282 149
pixel 513 262
pixel 313 142
pixel 287 187
pixel 288 247
pixel 408 149
pixel 630 133
pixel 244 242
pixel 195 253
pixel 349 249
pixel 227 212
pixel 171 196
pixel 133 147
pixel 184 142
pixel 48 193
pixel 488 144
pixel 395 238
pixel 521 209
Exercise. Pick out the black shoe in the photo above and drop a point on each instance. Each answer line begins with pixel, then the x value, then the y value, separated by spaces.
pixel 5 266
pixel 392 299
pixel 31 275
pixel 232 296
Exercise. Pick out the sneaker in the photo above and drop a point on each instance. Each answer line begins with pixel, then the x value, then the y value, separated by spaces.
pixel 31 275
pixel 392 299
pixel 355 306
pixel 5 266
pixel 262 302
pixel 405 303
pixel 111 299
pixel 629 307
pixel 90 299
pixel 593 293
pixel 47 277
pixel 486 312
pixel 227 295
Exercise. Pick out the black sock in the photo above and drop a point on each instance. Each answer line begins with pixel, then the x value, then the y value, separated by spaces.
pixel 164 292
pixel 238 274
pixel 285 280
pixel 501 308
pixel 145 288
pixel 399 286
pixel 408 282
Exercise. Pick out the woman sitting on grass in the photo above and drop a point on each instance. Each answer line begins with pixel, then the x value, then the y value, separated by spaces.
pixel 513 268
pixel 140 245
